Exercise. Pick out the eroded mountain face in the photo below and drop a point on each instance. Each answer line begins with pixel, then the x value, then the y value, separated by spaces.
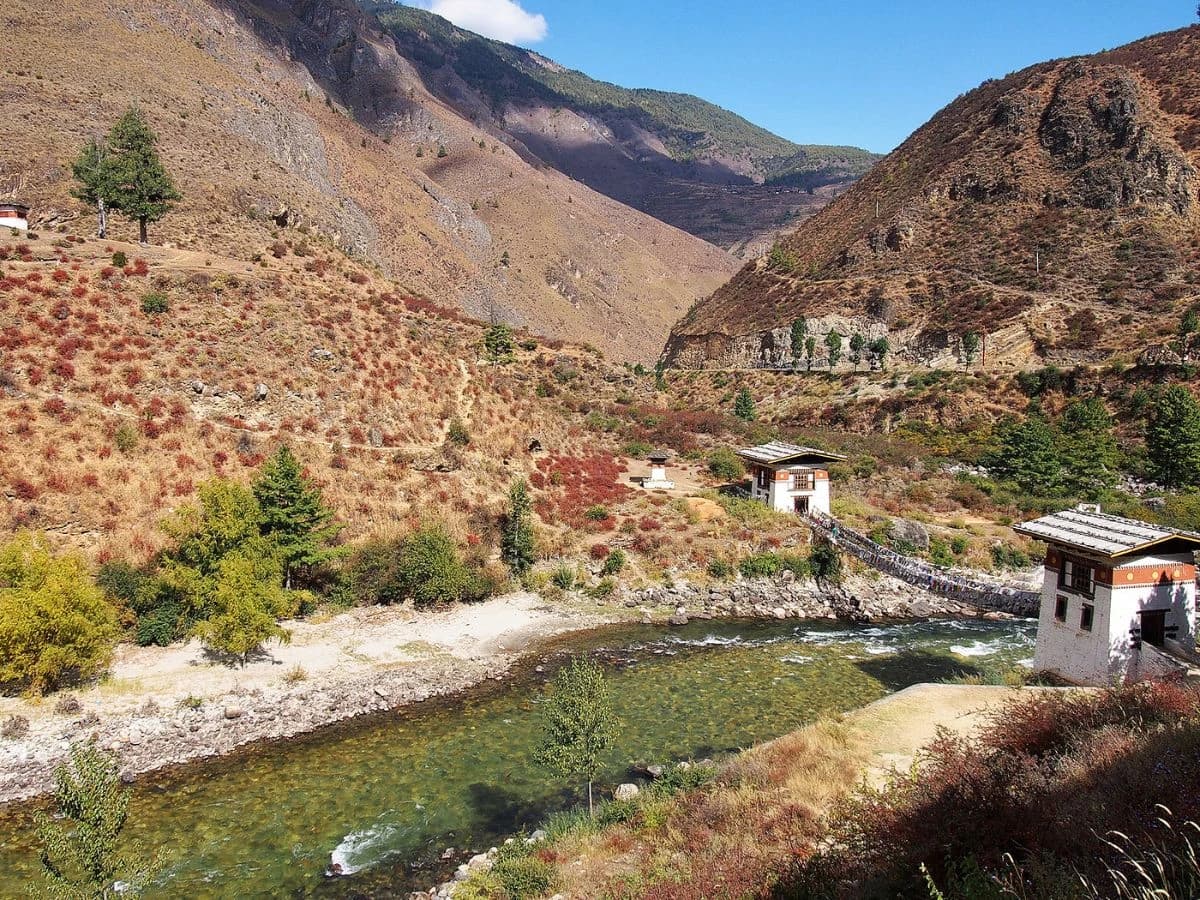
pixel 1053 213
pixel 302 120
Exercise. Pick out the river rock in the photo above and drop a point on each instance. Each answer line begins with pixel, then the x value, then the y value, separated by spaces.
pixel 680 616
pixel 625 791
pixel 234 712
pixel 655 771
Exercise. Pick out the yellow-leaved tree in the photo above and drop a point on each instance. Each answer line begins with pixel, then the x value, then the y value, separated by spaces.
pixel 55 624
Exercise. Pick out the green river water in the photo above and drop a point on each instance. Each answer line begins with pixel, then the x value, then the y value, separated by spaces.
pixel 384 796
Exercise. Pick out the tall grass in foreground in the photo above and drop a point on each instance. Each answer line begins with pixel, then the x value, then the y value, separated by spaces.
pixel 1162 869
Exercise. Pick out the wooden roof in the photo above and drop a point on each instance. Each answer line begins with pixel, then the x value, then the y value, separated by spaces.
pixel 1085 528
pixel 777 453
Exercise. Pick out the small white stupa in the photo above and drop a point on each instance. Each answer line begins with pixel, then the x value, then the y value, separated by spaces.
pixel 658 480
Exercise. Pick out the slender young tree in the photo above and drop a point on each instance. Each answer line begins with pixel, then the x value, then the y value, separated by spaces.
pixel 517 540
pixel 810 349
pixel 141 187
pixel 743 406
pixel 879 349
pixel 93 175
pixel 799 333
pixel 970 346
pixel 293 514
pixel 578 723
pixel 81 852
pixel 857 343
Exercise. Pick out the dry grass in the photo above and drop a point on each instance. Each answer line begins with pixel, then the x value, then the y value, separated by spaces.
pixel 728 839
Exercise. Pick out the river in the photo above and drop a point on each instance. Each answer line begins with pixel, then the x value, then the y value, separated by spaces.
pixel 385 795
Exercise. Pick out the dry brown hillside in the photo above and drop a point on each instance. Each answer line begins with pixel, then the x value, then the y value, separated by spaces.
pixel 271 108
pixel 1053 212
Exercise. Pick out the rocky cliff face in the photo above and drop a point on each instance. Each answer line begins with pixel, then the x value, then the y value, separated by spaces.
pixel 1053 213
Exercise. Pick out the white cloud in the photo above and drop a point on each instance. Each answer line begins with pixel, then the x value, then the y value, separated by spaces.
pixel 503 20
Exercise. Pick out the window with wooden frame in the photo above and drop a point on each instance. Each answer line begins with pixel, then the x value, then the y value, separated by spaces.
pixel 1086 617
pixel 805 481
pixel 1076 575
pixel 1060 609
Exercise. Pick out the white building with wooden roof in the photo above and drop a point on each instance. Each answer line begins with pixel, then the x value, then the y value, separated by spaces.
pixel 789 478
pixel 14 215
pixel 1118 599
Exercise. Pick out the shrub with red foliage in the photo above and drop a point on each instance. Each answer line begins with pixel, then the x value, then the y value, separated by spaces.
pixel 1046 780
pixel 571 485
pixel 599 551
pixel 24 489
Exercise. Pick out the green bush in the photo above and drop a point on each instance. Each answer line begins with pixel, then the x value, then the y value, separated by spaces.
pixel 1006 557
pixel 430 569
pixel 596 513
pixel 613 563
pixel 725 464
pixel 603 589
pixel 126 438
pixel 120 581
pixel 939 553
pixel 120 260
pixel 523 877
pixel 720 569
pixel 796 564
pixel 55 623
pixel 826 563
pixel 457 433
pixel 563 578
pixel 761 565
pixel 155 302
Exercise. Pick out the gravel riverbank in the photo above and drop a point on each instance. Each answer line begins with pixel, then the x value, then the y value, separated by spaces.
pixel 165 706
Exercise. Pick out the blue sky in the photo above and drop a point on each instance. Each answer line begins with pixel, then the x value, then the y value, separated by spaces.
pixel 866 74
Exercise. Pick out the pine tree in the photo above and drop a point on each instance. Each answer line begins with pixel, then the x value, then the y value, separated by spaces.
pixel 1026 453
pixel 498 343
pixel 94 174
pixel 517 540
pixel 879 349
pixel 293 513
pixel 799 333
pixel 1173 438
pixel 578 723
pixel 141 188
pixel 810 349
pixel 743 406
pixel 1087 448
pixel 833 343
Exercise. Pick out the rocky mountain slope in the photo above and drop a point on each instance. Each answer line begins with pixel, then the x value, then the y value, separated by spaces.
pixel 1053 212
pixel 674 156
pixel 285 120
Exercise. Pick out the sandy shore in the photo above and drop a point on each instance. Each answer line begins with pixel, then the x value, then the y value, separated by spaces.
pixel 163 706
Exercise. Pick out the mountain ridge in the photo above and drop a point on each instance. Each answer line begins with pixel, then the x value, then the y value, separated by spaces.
pixel 1053 211
pixel 625 141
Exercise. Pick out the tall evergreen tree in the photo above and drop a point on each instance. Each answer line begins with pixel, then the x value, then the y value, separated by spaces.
pixel 810 349
pixel 94 176
pixel 498 345
pixel 1087 448
pixel 799 333
pixel 517 539
pixel 833 343
pixel 743 406
pixel 1026 453
pixel 141 188
pixel 294 514
pixel 1173 438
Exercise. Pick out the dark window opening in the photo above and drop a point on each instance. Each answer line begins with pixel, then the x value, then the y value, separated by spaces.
pixel 1086 616
pixel 1060 609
